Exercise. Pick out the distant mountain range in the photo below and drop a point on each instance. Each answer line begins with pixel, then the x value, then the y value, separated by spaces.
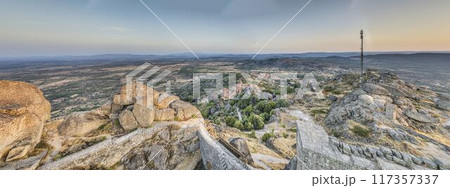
pixel 215 55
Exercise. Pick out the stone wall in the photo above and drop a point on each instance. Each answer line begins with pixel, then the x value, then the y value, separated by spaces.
pixel 315 153
pixel 318 151
pixel 215 156
pixel 383 155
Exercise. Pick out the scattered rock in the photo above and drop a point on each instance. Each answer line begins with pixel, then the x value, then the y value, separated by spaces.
pixel 166 114
pixel 375 89
pixel 138 95
pixel 165 100
pixel 81 123
pixel 104 110
pixel 390 112
pixel 444 105
pixel 185 110
pixel 144 116
pixel 265 96
pixel 367 99
pixel 241 145
pixel 332 98
pixel 127 120
pixel 419 116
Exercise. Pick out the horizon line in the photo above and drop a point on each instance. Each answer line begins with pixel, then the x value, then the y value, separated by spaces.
pixel 223 53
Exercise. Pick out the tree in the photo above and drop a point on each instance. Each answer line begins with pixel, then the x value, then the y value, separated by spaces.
pixel 270 106
pixel 254 99
pixel 230 120
pixel 257 121
pixel 272 112
pixel 266 136
pixel 238 124
pixel 248 110
pixel 281 103
pixel 205 113
pixel 243 103
pixel 265 116
pixel 248 126
pixel 261 105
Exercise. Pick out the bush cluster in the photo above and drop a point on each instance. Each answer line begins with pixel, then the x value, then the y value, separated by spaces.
pixel 255 113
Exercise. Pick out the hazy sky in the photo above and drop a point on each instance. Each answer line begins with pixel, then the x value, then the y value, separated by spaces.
pixel 74 27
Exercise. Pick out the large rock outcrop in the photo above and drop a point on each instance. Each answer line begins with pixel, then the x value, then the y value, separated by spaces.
pixel 128 134
pixel 23 111
pixel 142 113
pixel 386 111
pixel 383 102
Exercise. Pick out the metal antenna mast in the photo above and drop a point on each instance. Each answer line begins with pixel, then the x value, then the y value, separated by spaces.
pixel 362 57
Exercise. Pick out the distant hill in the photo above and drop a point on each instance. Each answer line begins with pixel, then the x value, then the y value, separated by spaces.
pixel 189 56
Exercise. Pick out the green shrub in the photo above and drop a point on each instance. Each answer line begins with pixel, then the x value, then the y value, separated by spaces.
pixel 217 121
pixel 336 133
pixel 116 122
pixel 265 116
pixel 257 121
pixel 254 99
pixel 261 105
pixel 319 111
pixel 252 134
pixel 230 120
pixel 248 110
pixel 243 103
pixel 244 119
pixel 290 90
pixel 270 106
pixel 360 131
pixel 248 126
pixel 238 125
pixel 329 88
pixel 266 136
pixel 42 144
pixel 272 112
pixel 337 92
pixel 281 103
pixel 106 127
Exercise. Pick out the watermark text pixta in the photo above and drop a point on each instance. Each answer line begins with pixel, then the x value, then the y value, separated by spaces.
pixel 307 85
pixel 149 76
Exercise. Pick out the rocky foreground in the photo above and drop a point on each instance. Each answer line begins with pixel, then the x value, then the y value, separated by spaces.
pixel 383 123
pixel 119 135
pixel 390 119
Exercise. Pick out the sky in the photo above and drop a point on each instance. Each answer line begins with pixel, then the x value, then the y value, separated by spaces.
pixel 87 27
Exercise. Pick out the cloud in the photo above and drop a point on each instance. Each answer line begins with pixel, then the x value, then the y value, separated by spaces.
pixel 116 29
pixel 38 23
